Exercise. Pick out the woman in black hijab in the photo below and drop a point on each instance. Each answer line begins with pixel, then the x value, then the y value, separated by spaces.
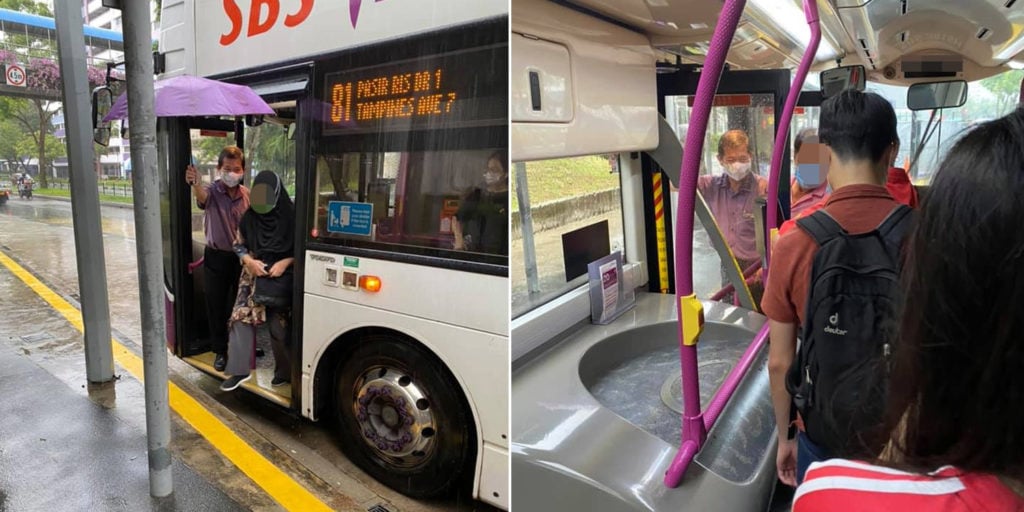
pixel 265 244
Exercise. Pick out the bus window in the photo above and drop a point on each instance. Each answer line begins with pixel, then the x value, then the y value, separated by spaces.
pixel 408 201
pixel 269 148
pixel 564 196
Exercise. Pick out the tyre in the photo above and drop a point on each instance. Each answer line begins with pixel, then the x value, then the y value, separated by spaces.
pixel 402 418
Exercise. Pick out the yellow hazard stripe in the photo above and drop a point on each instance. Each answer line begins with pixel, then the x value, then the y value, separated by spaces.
pixel 282 488
pixel 660 236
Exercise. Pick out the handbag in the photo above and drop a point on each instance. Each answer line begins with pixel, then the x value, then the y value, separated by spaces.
pixel 273 292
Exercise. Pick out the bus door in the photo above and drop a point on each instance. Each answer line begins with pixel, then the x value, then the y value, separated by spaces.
pixel 269 143
pixel 746 112
pixel 182 227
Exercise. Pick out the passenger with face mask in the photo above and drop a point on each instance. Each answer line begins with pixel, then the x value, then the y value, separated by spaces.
pixel 481 223
pixel 224 201
pixel 731 195
pixel 265 245
pixel 810 172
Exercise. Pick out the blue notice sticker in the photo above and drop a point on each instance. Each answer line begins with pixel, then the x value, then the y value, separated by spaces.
pixel 349 218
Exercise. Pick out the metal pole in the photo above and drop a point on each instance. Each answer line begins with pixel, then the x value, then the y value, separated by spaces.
pixel 526 229
pixel 148 244
pixel 85 200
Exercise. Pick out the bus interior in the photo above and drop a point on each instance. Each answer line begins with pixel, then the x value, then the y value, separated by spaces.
pixel 603 92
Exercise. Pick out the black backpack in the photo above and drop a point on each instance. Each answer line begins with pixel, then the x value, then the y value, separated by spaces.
pixel 839 377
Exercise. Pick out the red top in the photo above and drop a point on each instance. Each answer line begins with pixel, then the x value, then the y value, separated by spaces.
pixel 840 485
pixel 898 184
pixel 858 209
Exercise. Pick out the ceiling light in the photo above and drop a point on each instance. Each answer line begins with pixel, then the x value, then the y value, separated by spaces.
pixel 787 16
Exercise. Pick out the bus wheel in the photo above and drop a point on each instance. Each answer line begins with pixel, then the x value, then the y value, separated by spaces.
pixel 402 419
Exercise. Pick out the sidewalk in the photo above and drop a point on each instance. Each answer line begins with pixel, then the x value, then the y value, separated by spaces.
pixel 127 206
pixel 61 451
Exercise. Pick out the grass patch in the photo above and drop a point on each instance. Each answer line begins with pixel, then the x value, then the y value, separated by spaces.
pixel 566 177
pixel 57 192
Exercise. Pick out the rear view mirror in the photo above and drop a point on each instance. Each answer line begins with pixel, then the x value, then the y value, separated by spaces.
pixel 102 99
pixel 935 95
pixel 835 81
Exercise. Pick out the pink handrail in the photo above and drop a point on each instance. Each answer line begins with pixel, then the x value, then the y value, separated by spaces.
pixel 782 136
pixel 695 424
pixel 694 433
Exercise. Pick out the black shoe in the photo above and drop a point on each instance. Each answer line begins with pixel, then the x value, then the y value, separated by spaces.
pixel 280 382
pixel 234 381
pixel 220 361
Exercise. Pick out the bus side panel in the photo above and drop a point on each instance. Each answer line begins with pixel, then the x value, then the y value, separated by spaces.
pixel 422 303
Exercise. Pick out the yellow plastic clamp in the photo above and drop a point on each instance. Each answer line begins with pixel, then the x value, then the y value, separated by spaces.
pixel 691 310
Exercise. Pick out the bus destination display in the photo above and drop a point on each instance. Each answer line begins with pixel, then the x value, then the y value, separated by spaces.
pixel 452 91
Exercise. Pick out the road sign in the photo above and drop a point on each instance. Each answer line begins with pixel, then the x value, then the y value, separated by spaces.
pixel 15 75
pixel 350 218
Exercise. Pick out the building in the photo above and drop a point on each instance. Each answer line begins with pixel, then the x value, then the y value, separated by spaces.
pixel 115 162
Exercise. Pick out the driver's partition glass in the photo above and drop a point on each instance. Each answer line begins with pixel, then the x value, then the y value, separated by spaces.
pixel 734 171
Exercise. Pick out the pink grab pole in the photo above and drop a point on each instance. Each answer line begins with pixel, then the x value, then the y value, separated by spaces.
pixel 732 381
pixel 782 136
pixel 695 426
pixel 694 433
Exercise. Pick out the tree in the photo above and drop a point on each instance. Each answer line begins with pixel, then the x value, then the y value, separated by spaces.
pixel 35 114
pixel 1006 88
pixel 13 140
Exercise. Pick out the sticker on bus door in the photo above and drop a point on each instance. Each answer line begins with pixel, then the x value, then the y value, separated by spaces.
pixel 350 218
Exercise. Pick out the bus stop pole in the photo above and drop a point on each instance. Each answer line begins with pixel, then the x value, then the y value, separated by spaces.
pixel 85 200
pixel 138 48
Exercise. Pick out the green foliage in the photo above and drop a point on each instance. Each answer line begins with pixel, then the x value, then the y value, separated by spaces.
pixel 29 6
pixel 549 180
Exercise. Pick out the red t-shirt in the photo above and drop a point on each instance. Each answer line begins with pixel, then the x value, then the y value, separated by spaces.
pixel 897 183
pixel 840 485
pixel 858 209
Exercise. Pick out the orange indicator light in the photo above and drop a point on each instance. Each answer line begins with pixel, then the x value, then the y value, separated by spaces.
pixel 370 283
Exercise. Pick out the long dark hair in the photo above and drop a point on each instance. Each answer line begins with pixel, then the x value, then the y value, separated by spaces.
pixel 957 386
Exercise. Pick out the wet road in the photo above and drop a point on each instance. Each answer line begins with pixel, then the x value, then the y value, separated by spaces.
pixel 40 236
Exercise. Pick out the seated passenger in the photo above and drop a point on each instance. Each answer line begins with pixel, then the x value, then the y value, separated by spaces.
pixel 859 132
pixel 897 183
pixel 731 195
pixel 810 182
pixel 953 410
pixel 481 223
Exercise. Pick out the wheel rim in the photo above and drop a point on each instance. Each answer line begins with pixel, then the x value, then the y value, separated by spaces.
pixel 395 416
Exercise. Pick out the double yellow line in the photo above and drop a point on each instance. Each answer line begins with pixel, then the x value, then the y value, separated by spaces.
pixel 282 488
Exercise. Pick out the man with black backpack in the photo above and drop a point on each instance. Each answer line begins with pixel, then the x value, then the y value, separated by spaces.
pixel 837 277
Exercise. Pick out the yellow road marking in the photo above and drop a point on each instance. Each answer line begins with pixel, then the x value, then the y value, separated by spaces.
pixel 282 488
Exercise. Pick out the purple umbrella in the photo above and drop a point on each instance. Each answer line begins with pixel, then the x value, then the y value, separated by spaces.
pixel 195 96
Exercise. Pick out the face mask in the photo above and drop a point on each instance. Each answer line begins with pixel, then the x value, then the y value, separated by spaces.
pixel 491 178
pixel 809 176
pixel 738 170
pixel 231 179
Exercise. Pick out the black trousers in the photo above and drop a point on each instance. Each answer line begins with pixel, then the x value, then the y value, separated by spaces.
pixel 220 276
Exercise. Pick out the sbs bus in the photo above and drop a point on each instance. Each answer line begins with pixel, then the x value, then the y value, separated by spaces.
pixel 596 408
pixel 386 114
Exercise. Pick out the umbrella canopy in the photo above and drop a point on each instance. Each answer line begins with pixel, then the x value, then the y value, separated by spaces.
pixel 195 96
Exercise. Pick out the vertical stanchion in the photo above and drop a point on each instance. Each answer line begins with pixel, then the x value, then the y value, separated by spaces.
pixel 85 200
pixel 526 230
pixel 146 189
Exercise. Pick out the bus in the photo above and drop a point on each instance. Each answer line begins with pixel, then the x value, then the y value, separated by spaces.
pixel 386 115
pixel 604 95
